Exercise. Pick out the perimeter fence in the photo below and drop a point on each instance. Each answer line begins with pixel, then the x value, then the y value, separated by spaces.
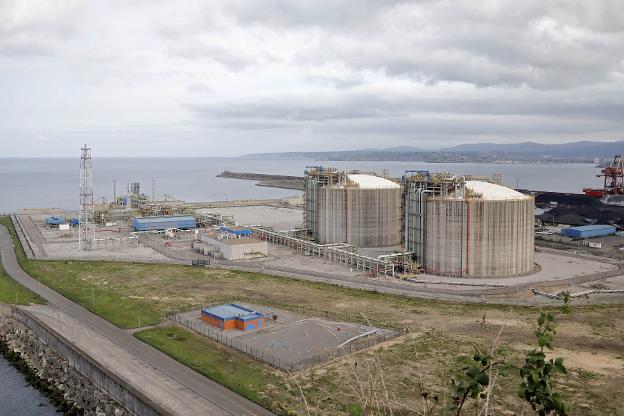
pixel 275 360
pixel 344 316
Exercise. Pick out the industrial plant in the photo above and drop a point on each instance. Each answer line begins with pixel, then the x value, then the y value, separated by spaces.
pixel 420 225
pixel 432 223
pixel 436 235
pixel 447 224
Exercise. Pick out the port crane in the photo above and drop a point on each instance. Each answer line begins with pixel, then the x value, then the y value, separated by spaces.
pixel 613 180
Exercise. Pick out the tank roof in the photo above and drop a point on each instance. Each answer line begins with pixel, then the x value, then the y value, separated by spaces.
pixel 489 190
pixel 371 182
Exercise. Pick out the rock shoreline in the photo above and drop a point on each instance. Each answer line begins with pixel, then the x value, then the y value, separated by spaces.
pixel 70 391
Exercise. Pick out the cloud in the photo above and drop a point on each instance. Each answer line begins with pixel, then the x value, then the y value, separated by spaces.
pixel 37 27
pixel 275 74
pixel 483 43
pixel 200 88
pixel 406 99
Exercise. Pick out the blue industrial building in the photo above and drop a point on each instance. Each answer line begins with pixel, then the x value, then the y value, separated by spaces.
pixel 588 231
pixel 163 223
pixel 55 220
pixel 238 231
pixel 233 316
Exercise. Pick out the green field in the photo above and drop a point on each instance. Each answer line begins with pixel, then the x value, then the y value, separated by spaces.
pixel 227 367
pixel 591 339
pixel 12 292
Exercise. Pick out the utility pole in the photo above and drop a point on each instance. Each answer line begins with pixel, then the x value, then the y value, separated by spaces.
pixel 86 227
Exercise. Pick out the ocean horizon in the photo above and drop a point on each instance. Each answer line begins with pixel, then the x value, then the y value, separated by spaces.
pixel 54 182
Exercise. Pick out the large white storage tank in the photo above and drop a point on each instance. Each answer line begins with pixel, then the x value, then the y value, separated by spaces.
pixel 359 209
pixel 483 230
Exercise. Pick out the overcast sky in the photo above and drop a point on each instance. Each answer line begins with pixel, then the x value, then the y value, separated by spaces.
pixel 222 78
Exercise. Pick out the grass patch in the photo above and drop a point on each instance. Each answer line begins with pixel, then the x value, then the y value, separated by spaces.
pixel 10 291
pixel 13 293
pixel 85 283
pixel 231 369
pixel 19 250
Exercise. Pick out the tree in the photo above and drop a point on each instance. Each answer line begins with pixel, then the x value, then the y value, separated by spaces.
pixel 473 381
pixel 536 387
pixel 566 298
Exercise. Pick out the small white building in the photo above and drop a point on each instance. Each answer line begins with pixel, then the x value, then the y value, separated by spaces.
pixel 230 246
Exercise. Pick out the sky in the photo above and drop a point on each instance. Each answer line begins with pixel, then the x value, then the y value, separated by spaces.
pixel 224 78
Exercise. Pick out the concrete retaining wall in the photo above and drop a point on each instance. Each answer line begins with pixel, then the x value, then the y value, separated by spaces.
pixel 66 387
pixel 134 401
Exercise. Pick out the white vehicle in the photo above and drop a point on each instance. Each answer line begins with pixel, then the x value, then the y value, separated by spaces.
pixel 591 244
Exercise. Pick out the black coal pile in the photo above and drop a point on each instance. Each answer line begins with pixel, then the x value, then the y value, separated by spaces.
pixel 577 200
pixel 578 209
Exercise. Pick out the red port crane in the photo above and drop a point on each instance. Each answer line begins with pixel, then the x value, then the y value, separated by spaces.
pixel 613 180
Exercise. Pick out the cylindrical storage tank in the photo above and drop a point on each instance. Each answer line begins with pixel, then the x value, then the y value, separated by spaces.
pixel 365 212
pixel 486 232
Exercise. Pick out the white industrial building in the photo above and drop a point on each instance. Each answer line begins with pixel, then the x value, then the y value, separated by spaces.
pixel 230 246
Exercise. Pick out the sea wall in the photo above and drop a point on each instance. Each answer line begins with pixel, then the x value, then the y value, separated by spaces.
pixel 268 180
pixel 68 389
pixel 93 386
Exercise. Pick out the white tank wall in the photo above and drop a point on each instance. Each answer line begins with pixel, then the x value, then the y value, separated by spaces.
pixel 362 217
pixel 479 237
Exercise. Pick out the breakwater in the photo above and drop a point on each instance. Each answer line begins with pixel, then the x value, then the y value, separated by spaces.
pixel 91 385
pixel 257 176
pixel 69 390
pixel 268 180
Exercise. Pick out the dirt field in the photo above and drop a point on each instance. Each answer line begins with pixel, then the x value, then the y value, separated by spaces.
pixel 591 338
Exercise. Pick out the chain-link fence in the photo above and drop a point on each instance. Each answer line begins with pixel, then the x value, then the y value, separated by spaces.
pixel 578 248
pixel 275 360
pixel 356 318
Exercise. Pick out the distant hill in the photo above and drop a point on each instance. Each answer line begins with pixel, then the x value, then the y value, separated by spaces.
pixel 396 149
pixel 364 154
pixel 583 151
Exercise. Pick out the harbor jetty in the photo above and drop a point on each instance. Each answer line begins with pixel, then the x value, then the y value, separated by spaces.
pixel 269 180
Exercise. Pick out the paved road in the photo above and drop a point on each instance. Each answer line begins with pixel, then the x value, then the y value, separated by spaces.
pixel 397 287
pixel 224 401
pixel 418 290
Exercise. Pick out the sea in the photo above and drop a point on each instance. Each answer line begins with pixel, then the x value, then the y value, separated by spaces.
pixel 17 398
pixel 54 183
